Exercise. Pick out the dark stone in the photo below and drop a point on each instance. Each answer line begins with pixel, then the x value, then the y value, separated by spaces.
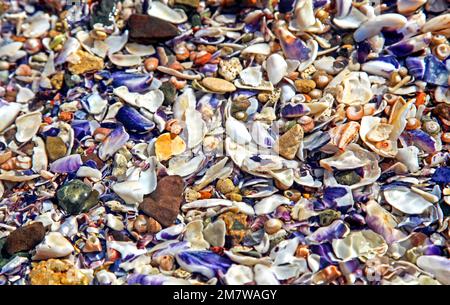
pixel 347 177
pixel 147 29
pixel 25 238
pixel 164 203
pixel 169 91
pixel 104 12
pixel 76 197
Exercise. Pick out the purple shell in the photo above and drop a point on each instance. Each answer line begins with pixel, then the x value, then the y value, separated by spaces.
pixel 115 140
pixel 144 279
pixel 173 249
pixel 441 175
pixel 436 72
pixel 134 82
pixel 337 196
pixel 295 50
pixel 66 164
pixel 81 128
pixel 416 66
pixel 291 111
pixel 207 263
pixel 133 120
pixel 422 140
pixel 336 230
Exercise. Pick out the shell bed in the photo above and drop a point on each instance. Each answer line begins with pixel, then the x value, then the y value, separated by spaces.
pixel 224 142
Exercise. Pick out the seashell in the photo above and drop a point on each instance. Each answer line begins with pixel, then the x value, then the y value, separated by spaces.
pixel 134 82
pixel 383 66
pixel 264 86
pixel 89 172
pixel 70 46
pixel 405 200
pixel 8 114
pixel 382 222
pixel 217 171
pixel 248 260
pixel 251 76
pixel 113 142
pixel 264 275
pixel 214 233
pixel 122 60
pixel 185 167
pixel 293 110
pixel 54 245
pixel 422 140
pixel 133 120
pixel 379 132
pixel 343 8
pixel 130 191
pixel 276 68
pixel 373 27
pixel 206 263
pixel 411 45
pixel 435 71
pixel 258 48
pixel 261 136
pixel 365 243
pixel 304 13
pixel 410 157
pixel 159 279
pixel 438 25
pixel 237 131
pixel 269 204
pixel 69 227
pixel 151 100
pixel 37 25
pixel 39 159
pixel 409 6
pixel 27 126
pixel 206 203
pixel 238 275
pixel 357 89
pixel 24 95
pixel 438 266
pixel 166 146
pixel 196 127
pixel 114 222
pixel 338 229
pixel 70 163
pixel 126 249
pixel 140 49
pixel 115 43
pixel 194 235
pixel 162 11
pixel 95 104
pixel 8 50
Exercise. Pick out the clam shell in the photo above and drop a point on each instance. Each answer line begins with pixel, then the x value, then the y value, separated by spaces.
pixel 27 126
pixel 365 243
pixel 54 245
pixel 130 191
pixel 269 204
pixel 162 11
pixel 259 48
pixel 8 114
pixel 140 49
pixel 406 201
pixel 276 68
pixel 122 60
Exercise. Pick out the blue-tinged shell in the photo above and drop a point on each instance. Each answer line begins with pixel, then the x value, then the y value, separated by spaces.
pixel 206 263
pixel 362 51
pixel 133 120
pixel 292 111
pixel 416 66
pixel 441 175
pixel 382 66
pixel 285 6
pixel 67 164
pixel 436 72
pixel 422 140
pixel 338 229
pixel 134 82
pixel 115 140
pixel 157 279
pixel 337 196
pixel 325 252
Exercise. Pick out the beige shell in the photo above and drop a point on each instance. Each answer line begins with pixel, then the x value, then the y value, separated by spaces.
pixel 356 89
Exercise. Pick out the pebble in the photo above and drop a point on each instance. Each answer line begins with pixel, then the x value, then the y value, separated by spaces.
pixel 288 143
pixel 57 272
pixel 147 29
pixel 56 148
pixel 273 225
pixel 218 85
pixel 230 69
pixel 76 197
pixel 25 238
pixel 304 85
pixel 164 203
pixel 86 63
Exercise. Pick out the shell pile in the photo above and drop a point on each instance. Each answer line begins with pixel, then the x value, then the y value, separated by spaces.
pixel 224 142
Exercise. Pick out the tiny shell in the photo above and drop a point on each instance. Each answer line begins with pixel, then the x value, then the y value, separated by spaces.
pixel 276 68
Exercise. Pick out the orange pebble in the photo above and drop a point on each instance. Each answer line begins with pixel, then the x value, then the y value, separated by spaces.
pixel 202 58
pixel 151 64
pixel 420 98
pixel 205 195
pixel 176 66
pixel 65 116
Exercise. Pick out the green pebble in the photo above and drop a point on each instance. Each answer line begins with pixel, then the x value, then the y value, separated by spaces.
pixel 76 197
pixel 169 91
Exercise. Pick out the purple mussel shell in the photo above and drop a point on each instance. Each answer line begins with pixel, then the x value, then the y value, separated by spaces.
pixel 441 175
pixel 422 140
pixel 382 66
pixel 416 66
pixel 436 72
pixel 66 164
pixel 337 196
pixel 81 128
pixel 134 82
pixel 206 263
pixel 133 121
pixel 115 140
pixel 409 46
pixel 336 230
pixel 291 111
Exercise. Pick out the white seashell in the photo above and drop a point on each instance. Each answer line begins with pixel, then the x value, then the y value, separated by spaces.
pixel 276 68
pixel 151 100
pixel 217 171
pixel 96 104
pixel 251 76
pixel 114 222
pixel 284 272
pixel 410 157
pixel 8 113
pixel 2 189
pixel 357 89
pixel 70 46
pixel 287 93
pixel 24 95
pixel 162 11
pixel 194 235
pixel 116 43
pixel 238 275
pixel 214 233
pixel 406 201
pixel 39 159
pixel 269 204
pixel 183 102
pixel 196 127
pixel 37 25
pixel 148 179
pixel 304 13
pixel 10 49
pixel 264 275
pixel 99 48
pixel 409 6
pixel 285 177
pixel 205 204
pixel 140 49
pixel 352 20
pixel 89 172
pixel 365 243
pixel 27 126
pixel 122 60
pixel 374 26
pixel 184 168
pixel 261 136
pixel 105 277
pixel 237 131
pixel 125 248
pixel 69 227
pixel 264 86
pixel 248 260
pixel 438 266
pixel 13 265
pixel 54 245
pixel 259 48
pixel 130 191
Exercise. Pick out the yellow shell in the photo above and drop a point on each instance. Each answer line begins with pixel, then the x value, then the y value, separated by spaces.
pixel 167 146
